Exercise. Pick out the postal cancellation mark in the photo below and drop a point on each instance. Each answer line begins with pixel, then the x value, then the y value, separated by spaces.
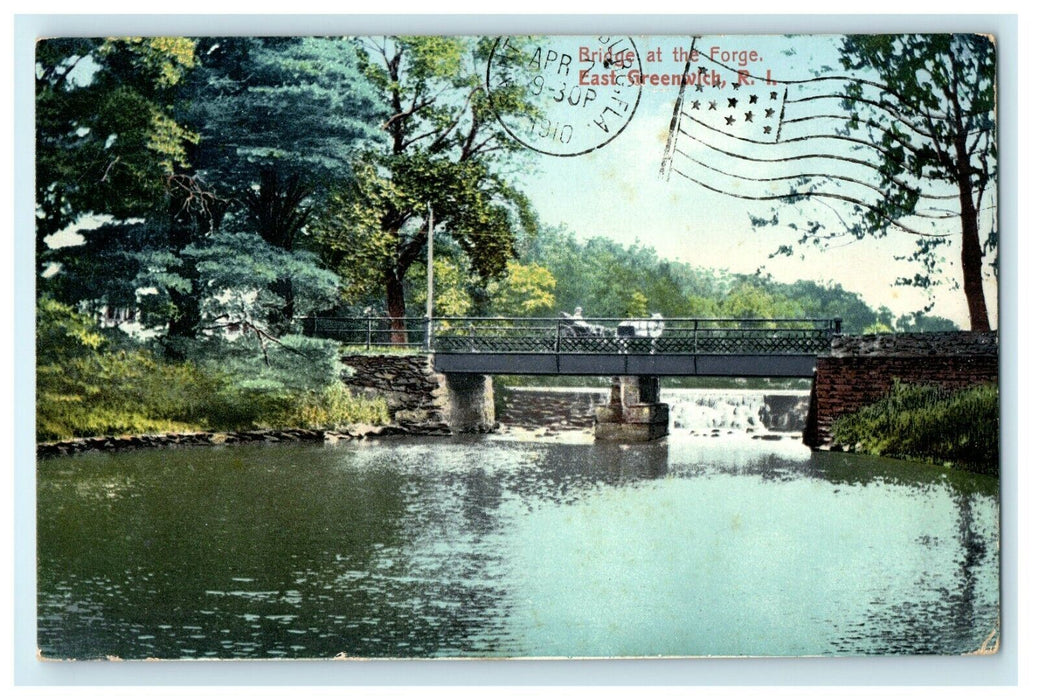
pixel 570 117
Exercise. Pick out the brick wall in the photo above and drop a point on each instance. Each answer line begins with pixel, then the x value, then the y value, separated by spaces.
pixel 860 370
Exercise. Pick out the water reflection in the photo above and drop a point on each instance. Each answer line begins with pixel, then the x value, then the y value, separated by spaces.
pixel 488 547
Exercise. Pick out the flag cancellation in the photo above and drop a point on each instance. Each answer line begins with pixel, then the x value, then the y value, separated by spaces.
pixel 825 137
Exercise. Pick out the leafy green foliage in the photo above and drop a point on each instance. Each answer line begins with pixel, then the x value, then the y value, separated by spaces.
pixel 236 271
pixel 298 105
pixel 334 407
pixel 601 276
pixel 930 423
pixel 61 333
pixel 524 290
pixel 106 138
pixel 280 121
pixel 444 150
pixel 121 392
pixel 608 279
pixel 877 327
pixel 451 294
pixel 289 364
pixel 273 122
pixel 88 385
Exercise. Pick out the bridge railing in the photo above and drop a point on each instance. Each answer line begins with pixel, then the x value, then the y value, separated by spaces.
pixel 633 335
pixel 503 335
pixel 368 331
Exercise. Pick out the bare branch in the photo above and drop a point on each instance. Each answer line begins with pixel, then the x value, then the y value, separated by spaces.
pixel 104 177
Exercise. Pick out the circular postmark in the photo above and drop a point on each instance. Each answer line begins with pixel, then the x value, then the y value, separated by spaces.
pixel 564 96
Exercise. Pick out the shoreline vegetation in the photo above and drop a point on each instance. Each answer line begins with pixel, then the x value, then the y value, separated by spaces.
pixel 954 429
pixel 93 382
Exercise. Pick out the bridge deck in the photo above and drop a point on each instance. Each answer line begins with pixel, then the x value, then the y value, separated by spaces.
pixel 662 365
pixel 599 346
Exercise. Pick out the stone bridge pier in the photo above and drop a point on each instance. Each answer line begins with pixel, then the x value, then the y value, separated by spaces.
pixel 634 413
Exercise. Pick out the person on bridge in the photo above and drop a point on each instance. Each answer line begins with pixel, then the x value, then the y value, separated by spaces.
pixel 579 321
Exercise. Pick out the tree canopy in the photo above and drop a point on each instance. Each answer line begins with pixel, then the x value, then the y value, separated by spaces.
pixel 442 150
pixel 256 133
pixel 106 139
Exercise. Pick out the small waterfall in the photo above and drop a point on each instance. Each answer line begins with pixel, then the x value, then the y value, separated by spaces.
pixel 693 411
pixel 725 411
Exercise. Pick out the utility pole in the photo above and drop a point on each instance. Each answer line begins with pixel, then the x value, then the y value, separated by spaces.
pixel 429 282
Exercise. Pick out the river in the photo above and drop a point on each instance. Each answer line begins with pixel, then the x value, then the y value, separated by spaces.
pixel 511 545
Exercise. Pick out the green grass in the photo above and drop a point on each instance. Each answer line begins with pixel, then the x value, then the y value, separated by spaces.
pixel 380 350
pixel 134 392
pixel 335 407
pixel 953 428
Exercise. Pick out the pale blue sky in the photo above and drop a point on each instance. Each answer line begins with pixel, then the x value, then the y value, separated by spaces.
pixel 617 192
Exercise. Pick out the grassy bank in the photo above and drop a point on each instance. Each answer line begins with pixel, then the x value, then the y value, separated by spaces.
pixel 135 393
pixel 953 428
pixel 92 381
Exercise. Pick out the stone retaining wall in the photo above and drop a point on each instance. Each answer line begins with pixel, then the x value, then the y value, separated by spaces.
pixel 859 370
pixel 420 399
pixel 414 393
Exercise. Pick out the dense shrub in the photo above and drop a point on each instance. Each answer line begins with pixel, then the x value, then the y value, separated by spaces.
pixel 105 393
pixel 88 385
pixel 958 428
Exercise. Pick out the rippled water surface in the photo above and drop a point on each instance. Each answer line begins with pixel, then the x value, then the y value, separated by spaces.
pixel 500 547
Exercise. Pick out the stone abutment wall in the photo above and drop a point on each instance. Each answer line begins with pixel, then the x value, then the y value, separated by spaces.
pixel 860 369
pixel 420 399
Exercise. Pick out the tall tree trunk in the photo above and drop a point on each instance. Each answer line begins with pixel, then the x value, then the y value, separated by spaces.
pixel 970 258
pixel 184 325
pixel 278 212
pixel 395 308
pixel 279 320
pixel 192 217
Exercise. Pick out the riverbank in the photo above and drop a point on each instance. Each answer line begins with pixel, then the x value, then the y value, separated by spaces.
pixel 112 443
pixel 527 413
pixel 955 429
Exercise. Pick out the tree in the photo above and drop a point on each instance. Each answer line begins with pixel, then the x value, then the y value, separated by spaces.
pixel 106 139
pixel 525 290
pixel 442 148
pixel 946 83
pixel 280 120
pixel 924 107
pixel 110 149
pixel 263 128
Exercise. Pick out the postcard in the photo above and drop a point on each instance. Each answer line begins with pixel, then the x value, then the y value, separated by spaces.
pixel 552 346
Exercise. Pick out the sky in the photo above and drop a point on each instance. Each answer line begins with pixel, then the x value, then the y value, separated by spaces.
pixel 617 190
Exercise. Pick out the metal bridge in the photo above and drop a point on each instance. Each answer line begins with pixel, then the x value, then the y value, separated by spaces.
pixel 597 346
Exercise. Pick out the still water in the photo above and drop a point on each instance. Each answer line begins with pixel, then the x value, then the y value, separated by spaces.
pixel 500 546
